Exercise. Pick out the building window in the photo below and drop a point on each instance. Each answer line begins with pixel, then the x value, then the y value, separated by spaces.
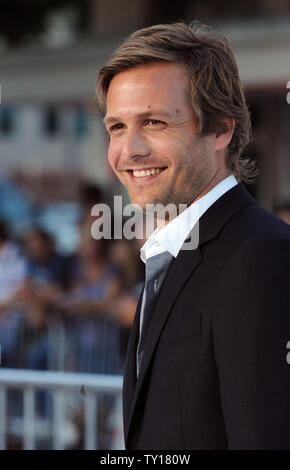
pixel 51 121
pixel 6 120
pixel 81 123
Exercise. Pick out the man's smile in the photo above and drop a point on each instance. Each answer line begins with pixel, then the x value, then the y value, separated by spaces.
pixel 145 174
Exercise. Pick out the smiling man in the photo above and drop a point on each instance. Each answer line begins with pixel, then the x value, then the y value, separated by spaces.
pixel 206 363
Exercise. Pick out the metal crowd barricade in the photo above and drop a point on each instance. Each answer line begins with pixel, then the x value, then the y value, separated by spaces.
pixel 59 383
pixel 65 352
pixel 62 345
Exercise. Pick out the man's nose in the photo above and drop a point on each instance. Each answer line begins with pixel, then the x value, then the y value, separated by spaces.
pixel 134 145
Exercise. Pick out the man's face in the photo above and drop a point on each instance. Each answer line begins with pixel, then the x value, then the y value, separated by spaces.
pixel 152 127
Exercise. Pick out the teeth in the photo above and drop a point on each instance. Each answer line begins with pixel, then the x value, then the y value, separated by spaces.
pixel 141 173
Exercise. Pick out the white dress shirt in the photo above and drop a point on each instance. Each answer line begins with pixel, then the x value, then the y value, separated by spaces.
pixel 172 236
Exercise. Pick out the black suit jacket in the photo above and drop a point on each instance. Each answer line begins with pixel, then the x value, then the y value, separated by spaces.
pixel 215 373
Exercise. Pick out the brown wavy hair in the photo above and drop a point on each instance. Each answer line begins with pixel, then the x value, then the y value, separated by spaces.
pixel 214 87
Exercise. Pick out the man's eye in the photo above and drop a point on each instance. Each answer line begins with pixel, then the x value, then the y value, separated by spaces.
pixel 154 122
pixel 115 127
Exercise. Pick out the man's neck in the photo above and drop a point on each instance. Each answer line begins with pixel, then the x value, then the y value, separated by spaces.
pixel 215 180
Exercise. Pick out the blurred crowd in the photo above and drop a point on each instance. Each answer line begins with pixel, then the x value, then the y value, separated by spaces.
pixel 71 312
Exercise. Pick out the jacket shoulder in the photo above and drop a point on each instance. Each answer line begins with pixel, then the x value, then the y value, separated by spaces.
pixel 253 222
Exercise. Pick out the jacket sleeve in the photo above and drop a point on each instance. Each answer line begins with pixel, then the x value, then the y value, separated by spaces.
pixel 251 332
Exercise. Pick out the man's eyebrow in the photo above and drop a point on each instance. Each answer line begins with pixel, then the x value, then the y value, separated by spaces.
pixel 146 114
pixel 110 119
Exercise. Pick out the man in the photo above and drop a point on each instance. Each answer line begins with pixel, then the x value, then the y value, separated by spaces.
pixel 212 372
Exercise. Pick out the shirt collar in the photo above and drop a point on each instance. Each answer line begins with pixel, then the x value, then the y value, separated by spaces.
pixel 172 236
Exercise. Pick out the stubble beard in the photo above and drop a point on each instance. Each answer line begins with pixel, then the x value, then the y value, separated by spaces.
pixel 196 179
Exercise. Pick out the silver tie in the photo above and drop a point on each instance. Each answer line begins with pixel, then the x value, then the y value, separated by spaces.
pixel 156 269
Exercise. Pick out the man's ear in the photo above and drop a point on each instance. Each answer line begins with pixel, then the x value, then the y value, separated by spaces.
pixel 224 137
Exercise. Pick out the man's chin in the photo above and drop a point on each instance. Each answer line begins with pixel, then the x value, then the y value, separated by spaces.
pixel 150 204
pixel 146 207
pixel 140 203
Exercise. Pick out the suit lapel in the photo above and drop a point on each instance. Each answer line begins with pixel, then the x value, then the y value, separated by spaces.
pixel 179 270
pixel 130 366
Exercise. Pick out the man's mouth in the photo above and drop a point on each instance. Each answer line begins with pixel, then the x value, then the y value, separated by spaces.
pixel 146 173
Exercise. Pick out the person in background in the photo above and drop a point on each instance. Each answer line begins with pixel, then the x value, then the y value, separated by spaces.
pixel 96 285
pixel 90 194
pixel 125 254
pixel 12 275
pixel 43 281
pixel 45 277
pixel 12 319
